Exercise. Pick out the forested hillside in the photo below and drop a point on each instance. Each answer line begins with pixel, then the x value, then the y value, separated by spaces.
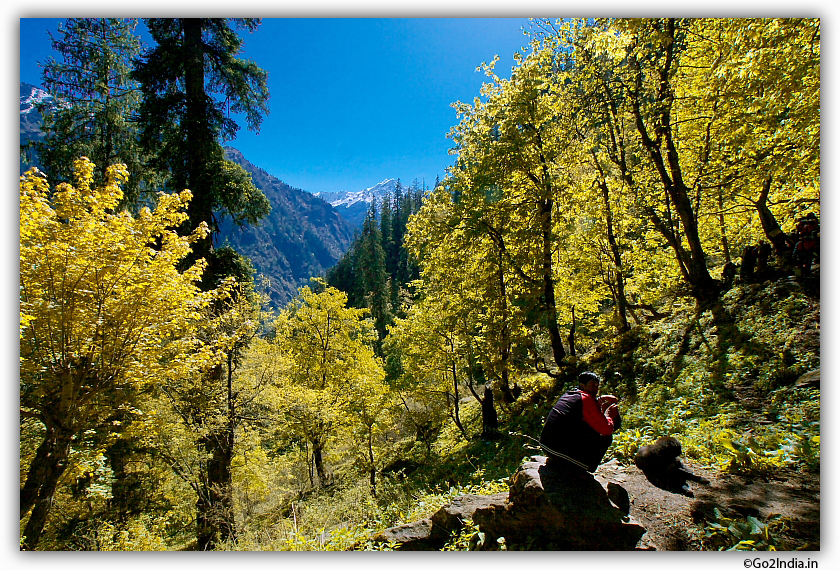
pixel 302 236
pixel 377 271
pixel 640 198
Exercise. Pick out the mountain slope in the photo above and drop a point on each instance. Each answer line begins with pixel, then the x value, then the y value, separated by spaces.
pixel 301 237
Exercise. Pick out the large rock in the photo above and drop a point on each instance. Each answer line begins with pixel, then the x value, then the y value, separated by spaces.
pixel 559 507
pixel 450 518
pixel 432 533
pixel 411 536
pixel 809 379
pixel 548 507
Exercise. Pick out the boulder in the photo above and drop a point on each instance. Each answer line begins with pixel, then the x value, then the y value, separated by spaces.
pixel 809 379
pixel 411 536
pixel 558 506
pixel 432 533
pixel 450 518
pixel 549 507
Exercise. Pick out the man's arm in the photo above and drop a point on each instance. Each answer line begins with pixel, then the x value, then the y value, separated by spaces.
pixel 594 417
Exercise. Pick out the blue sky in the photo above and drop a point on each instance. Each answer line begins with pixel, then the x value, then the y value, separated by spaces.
pixel 353 100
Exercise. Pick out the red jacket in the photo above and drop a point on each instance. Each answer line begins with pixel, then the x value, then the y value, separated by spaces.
pixel 594 417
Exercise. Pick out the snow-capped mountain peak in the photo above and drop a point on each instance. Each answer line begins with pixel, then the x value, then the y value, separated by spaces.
pixel 31 96
pixel 353 206
pixel 368 195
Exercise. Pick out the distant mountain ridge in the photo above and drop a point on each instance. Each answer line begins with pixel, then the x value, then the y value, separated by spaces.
pixel 30 97
pixel 31 120
pixel 301 237
pixel 388 185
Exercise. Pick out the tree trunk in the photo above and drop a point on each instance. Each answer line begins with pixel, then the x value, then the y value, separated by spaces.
pixel 456 404
pixel 216 498
pixel 504 349
pixel 215 503
pixel 693 262
pixel 203 522
pixel 318 460
pixel 489 417
pixel 618 156
pixel 727 255
pixel 621 301
pixel 771 227
pixel 106 139
pixel 508 395
pixel 620 296
pixel 703 286
pixel 47 466
pixel 572 347
pixel 197 134
pixel 550 304
pixel 36 473
pixel 310 467
pixel 126 496
pixel 372 462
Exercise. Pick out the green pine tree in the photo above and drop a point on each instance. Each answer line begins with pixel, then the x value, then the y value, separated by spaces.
pixel 97 102
pixel 192 81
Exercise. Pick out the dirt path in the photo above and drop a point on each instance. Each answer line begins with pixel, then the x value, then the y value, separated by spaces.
pixel 675 522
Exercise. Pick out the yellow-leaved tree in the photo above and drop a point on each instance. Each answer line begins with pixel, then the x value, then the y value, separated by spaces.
pixel 334 382
pixel 196 429
pixel 104 312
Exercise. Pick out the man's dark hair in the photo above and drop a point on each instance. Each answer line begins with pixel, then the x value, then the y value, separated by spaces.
pixel 587 377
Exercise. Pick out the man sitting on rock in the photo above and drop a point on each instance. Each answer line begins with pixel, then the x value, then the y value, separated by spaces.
pixel 578 429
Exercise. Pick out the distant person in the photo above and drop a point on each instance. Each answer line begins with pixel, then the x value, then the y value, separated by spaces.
pixel 748 263
pixel 762 263
pixel 807 244
pixel 578 429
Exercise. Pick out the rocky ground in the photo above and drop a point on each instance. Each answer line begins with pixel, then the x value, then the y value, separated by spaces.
pixel 671 521
pixel 674 522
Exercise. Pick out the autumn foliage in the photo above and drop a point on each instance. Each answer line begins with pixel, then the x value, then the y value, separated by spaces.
pixel 104 311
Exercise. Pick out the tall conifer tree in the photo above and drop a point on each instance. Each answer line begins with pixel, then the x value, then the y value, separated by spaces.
pixel 97 101
pixel 372 277
pixel 191 82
